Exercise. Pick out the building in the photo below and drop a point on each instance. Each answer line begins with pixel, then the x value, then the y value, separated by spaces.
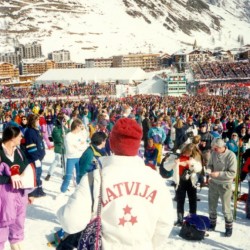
pixel 11 57
pixel 99 62
pixel 144 61
pixel 8 70
pixel 180 60
pixel 8 73
pixel 33 50
pixel 35 66
pixel 5 80
pixel 80 65
pixel 65 65
pixel 30 50
pixel 244 55
pixel 199 56
pixel 59 56
pixel 28 78
pixel 166 60
pixel 176 84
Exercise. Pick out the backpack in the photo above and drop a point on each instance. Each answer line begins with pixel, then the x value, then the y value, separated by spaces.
pixel 194 227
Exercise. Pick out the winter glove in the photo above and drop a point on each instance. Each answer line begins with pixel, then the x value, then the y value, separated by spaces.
pixel 38 163
pixel 15 177
pixel 14 170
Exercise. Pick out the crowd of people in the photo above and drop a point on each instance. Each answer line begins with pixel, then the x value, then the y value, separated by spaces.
pixel 210 132
pixel 57 90
pixel 221 70
pixel 231 89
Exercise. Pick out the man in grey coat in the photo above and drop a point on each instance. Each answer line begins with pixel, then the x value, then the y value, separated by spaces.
pixel 222 167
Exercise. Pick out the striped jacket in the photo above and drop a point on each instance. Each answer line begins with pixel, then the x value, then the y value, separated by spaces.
pixel 35 149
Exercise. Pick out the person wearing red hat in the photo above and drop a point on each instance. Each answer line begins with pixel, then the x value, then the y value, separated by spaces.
pixel 137 210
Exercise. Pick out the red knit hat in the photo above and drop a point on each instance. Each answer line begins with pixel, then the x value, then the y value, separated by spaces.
pixel 125 137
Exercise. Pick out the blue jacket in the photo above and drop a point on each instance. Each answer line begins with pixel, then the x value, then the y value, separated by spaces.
pixel 215 134
pixel 158 134
pixel 151 154
pixel 232 145
pixel 35 149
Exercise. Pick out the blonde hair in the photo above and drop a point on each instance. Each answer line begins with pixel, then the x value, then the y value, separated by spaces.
pixel 179 123
pixel 188 149
pixel 192 150
pixel 196 139
pixel 47 110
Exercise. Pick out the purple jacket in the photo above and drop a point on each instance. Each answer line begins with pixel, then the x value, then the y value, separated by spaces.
pixel 13 202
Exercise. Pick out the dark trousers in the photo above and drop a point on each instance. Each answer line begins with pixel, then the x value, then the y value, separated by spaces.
pixel 183 188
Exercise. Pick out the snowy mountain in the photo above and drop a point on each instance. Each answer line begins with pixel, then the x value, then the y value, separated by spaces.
pixel 105 28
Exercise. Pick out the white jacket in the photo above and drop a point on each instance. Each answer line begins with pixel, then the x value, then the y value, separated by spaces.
pixel 137 209
pixel 75 144
pixel 195 168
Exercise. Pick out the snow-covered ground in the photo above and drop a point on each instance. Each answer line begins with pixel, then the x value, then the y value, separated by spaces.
pixel 41 219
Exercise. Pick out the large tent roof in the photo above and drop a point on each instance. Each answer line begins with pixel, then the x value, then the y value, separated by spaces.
pixel 151 86
pixel 68 76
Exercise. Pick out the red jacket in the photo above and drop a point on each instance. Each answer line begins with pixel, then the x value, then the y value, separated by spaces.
pixel 181 168
pixel 42 121
pixel 246 166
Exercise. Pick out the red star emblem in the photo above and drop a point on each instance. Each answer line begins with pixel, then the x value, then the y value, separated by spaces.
pixel 133 220
pixel 122 221
pixel 127 210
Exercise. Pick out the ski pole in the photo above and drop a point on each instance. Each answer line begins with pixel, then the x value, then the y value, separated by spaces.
pixel 237 182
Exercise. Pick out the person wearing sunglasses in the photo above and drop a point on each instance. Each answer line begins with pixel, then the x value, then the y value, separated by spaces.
pixel 19 116
pixel 233 143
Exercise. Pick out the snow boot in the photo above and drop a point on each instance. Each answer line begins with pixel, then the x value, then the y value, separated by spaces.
pixel 229 228
pixel 47 177
pixel 179 221
pixel 229 232
pixel 41 193
pixel 34 193
pixel 213 220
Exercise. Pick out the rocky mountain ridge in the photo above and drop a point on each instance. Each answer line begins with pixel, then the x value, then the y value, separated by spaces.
pixel 100 27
